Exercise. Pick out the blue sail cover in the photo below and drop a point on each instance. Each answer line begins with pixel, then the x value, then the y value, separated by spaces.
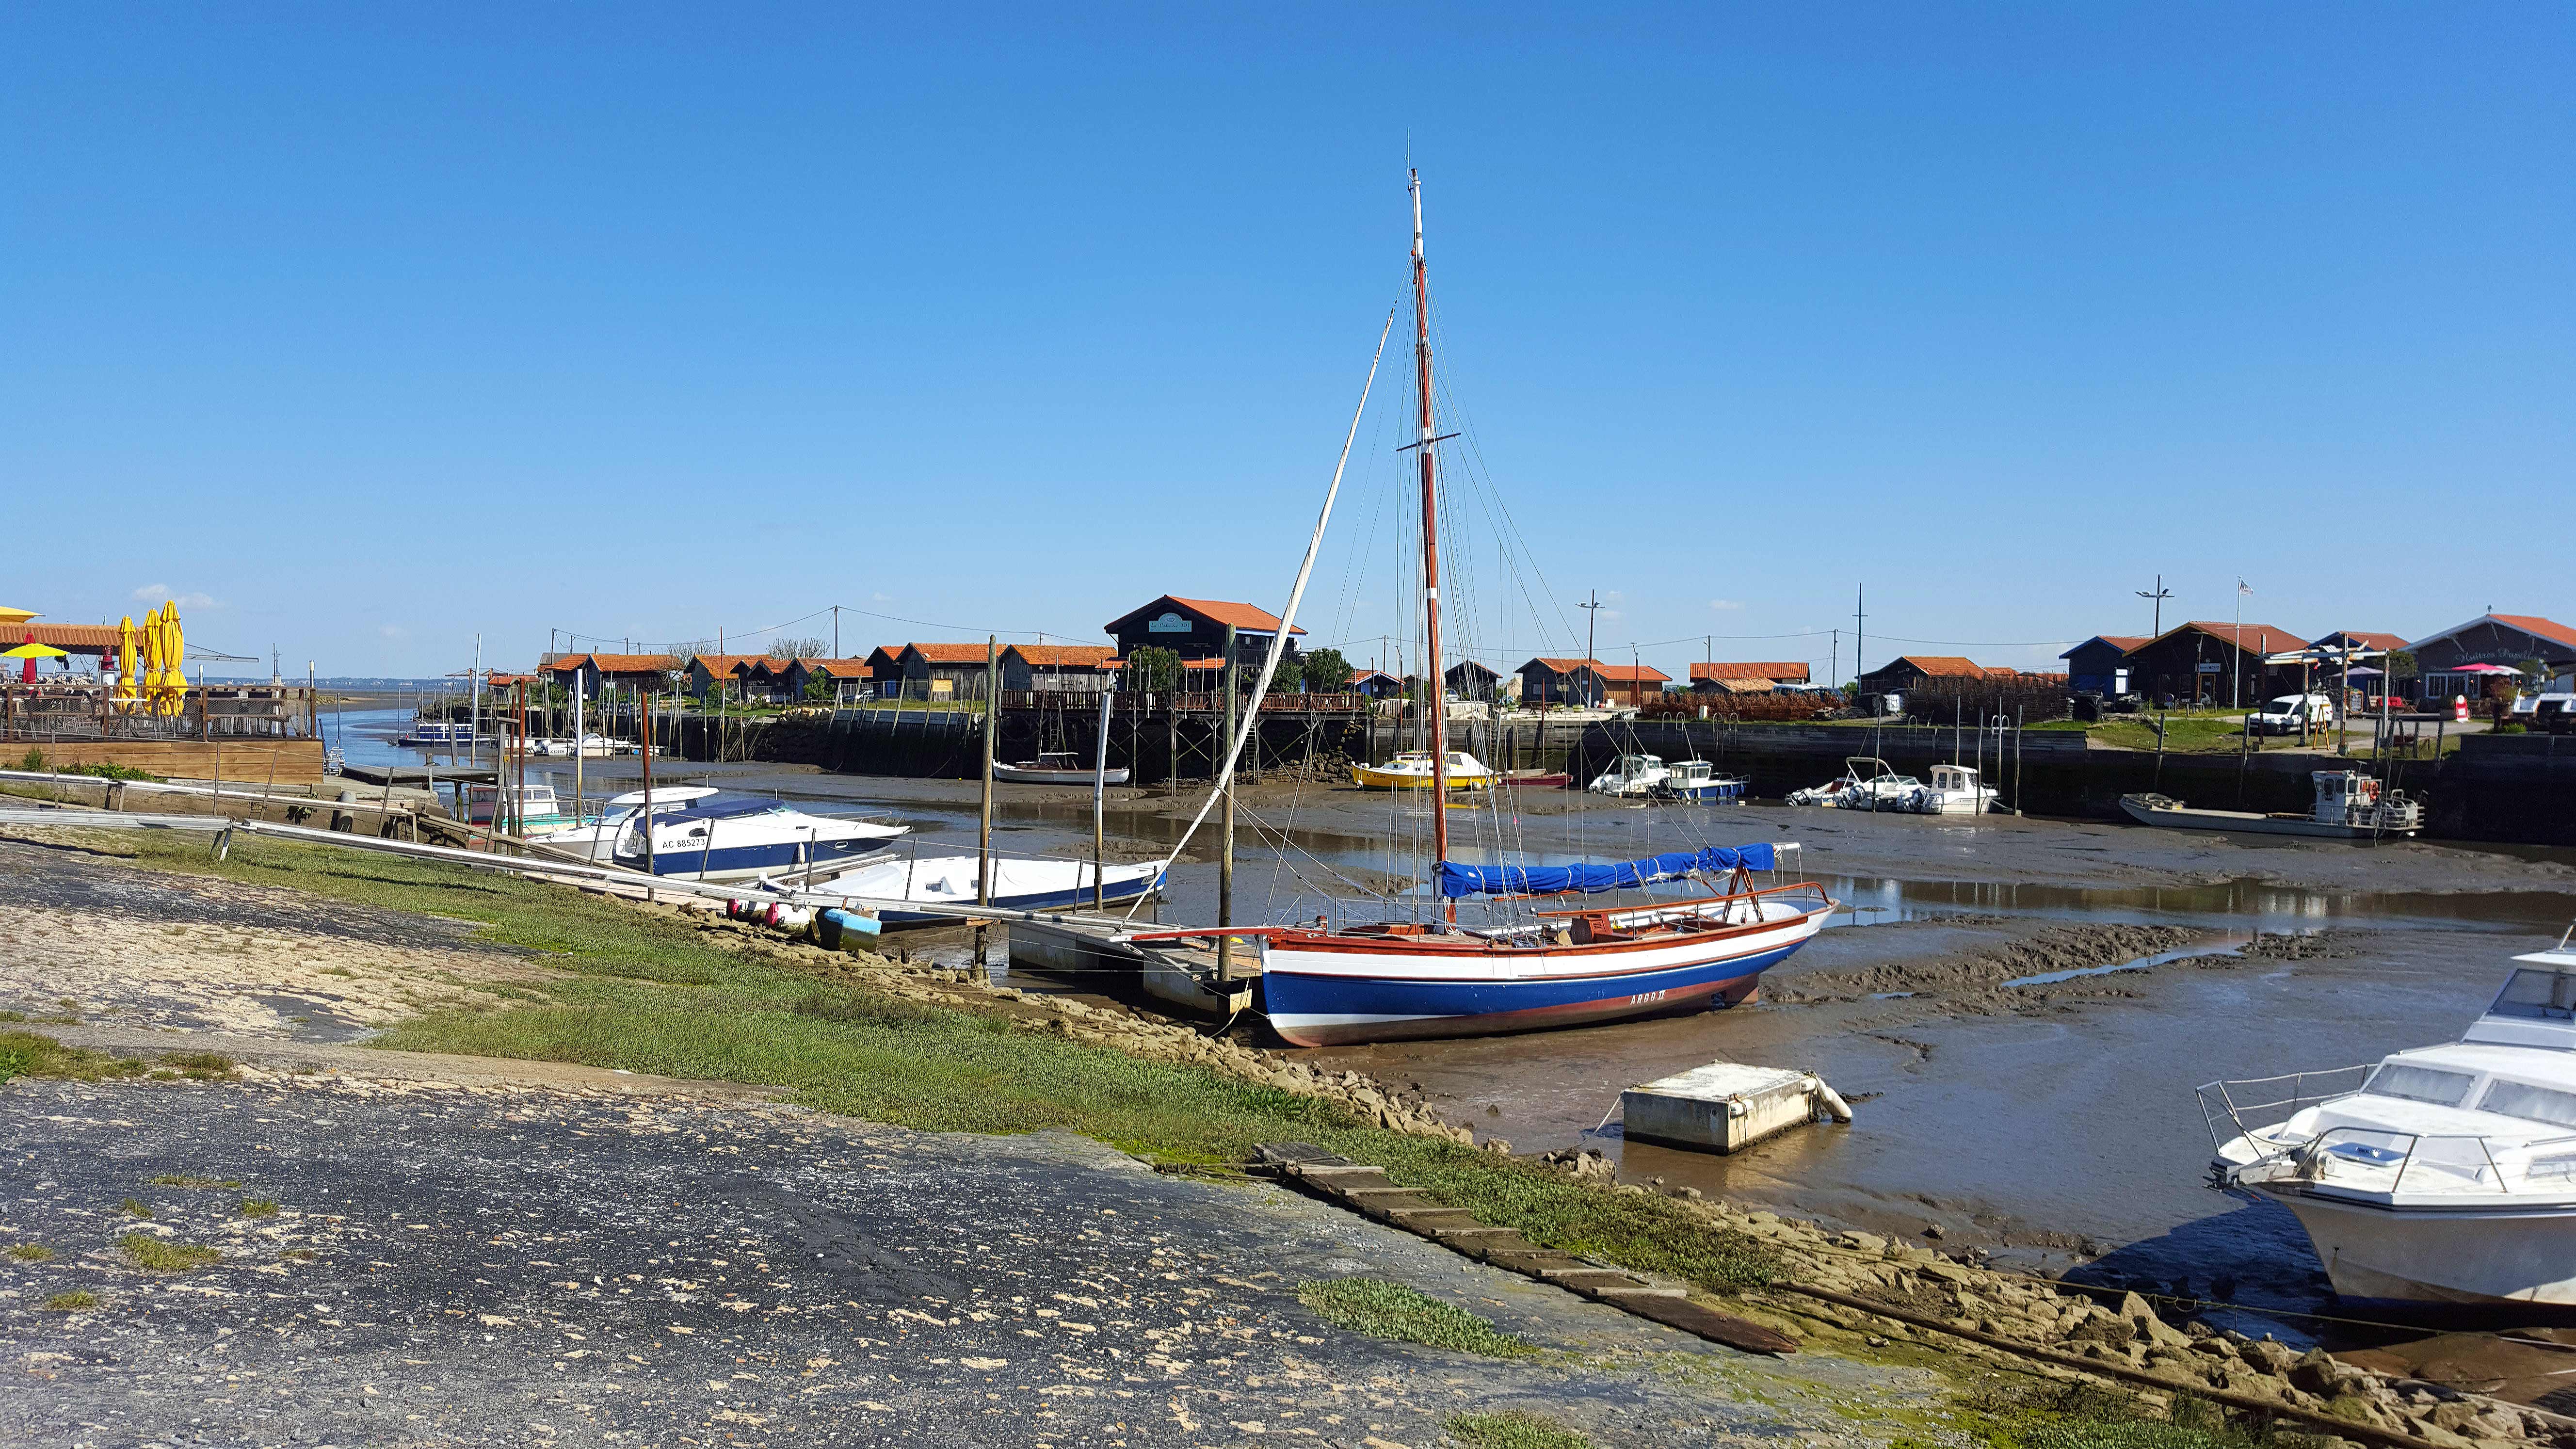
pixel 1547 880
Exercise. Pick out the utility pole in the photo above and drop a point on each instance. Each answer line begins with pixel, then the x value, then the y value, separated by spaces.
pixel 1860 597
pixel 1834 664
pixel 2159 596
pixel 836 631
pixel 1591 664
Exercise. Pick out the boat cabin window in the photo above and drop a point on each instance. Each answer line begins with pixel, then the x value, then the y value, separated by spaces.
pixel 2535 1104
pixel 2420 1084
pixel 2540 995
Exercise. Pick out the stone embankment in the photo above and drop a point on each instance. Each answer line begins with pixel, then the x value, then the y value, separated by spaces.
pixel 2032 1319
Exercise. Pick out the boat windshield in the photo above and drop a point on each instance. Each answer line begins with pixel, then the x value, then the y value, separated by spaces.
pixel 2420 1084
pixel 2540 995
pixel 2535 1104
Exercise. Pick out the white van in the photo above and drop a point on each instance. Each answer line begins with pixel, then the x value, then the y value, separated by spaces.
pixel 2290 713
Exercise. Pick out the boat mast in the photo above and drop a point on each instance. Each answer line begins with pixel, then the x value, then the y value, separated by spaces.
pixel 1435 708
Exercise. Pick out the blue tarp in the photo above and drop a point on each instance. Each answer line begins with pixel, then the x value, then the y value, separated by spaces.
pixel 1548 880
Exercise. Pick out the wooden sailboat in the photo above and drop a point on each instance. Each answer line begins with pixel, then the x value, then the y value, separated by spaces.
pixel 1377 982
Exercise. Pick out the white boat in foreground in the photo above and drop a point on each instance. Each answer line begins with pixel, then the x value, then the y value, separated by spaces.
pixel 739 838
pixel 2445 1174
pixel 595 838
pixel 2350 805
pixel 1058 767
pixel 950 880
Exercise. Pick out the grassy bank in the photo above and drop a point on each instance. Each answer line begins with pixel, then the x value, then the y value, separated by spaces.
pixel 651 992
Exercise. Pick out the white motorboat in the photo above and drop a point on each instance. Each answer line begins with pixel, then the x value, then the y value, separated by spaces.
pixel 441 735
pixel 588 747
pixel 1058 767
pixel 2349 805
pixel 1698 782
pixel 950 880
pixel 1867 783
pixel 595 838
pixel 1630 777
pixel 742 837
pixel 533 807
pixel 1411 770
pixel 1955 790
pixel 2444 1174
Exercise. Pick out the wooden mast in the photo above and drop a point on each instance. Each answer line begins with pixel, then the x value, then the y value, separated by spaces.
pixel 1435 708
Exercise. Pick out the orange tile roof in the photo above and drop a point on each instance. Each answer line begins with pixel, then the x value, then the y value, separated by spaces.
pixel 1097 656
pixel 836 668
pixel 890 653
pixel 613 663
pixel 1938 666
pixel 949 653
pixel 1609 673
pixel 1241 616
pixel 1759 669
pixel 726 663
pixel 2533 624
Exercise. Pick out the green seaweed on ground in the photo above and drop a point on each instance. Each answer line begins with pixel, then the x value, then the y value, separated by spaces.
pixel 160 1255
pixel 1382 1309
pixel 1512 1429
pixel 28 1054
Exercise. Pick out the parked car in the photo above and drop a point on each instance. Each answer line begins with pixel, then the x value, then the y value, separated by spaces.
pixel 2553 714
pixel 2290 713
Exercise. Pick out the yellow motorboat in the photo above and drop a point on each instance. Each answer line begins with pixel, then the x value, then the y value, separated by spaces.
pixel 1412 771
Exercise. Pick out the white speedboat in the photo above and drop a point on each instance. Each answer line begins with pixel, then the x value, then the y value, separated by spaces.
pixel 588 747
pixel 2349 805
pixel 1955 790
pixel 596 837
pixel 2445 1174
pixel 742 837
pixel 1630 777
pixel 950 880
pixel 1867 783
pixel 1057 767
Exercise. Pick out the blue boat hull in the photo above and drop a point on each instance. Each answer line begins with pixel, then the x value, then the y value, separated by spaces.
pixel 740 862
pixel 1328 1010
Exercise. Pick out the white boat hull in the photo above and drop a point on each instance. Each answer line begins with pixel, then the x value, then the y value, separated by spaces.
pixel 2248 822
pixel 2437 1255
pixel 1034 775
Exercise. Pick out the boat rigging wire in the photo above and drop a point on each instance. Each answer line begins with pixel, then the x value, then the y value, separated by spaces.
pixel 1270 657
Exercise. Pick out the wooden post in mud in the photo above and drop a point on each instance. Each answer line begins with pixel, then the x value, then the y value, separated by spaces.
pixel 644 743
pixel 1225 862
pixel 984 821
pixel 1099 797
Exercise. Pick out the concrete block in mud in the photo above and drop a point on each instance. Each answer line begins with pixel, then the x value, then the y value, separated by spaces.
pixel 1722 1107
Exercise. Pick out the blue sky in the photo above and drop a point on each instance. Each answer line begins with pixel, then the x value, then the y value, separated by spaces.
pixel 363 331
